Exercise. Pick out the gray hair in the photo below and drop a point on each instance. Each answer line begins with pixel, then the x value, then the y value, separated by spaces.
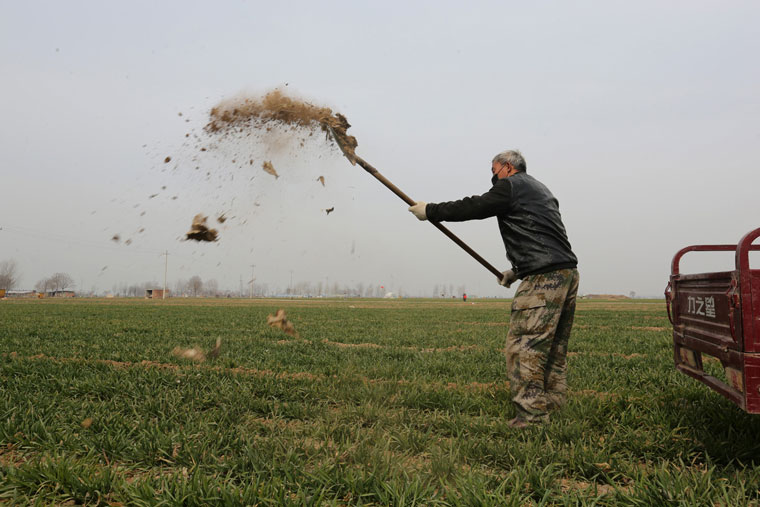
pixel 513 158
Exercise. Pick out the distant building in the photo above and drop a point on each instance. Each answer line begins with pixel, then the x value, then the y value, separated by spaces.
pixel 28 294
pixel 604 296
pixel 156 293
pixel 61 294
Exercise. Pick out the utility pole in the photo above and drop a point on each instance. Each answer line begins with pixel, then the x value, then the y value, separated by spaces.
pixel 166 269
pixel 253 266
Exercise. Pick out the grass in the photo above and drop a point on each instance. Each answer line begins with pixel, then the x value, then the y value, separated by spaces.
pixel 378 402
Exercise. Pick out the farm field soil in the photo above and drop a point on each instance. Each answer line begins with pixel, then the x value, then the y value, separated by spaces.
pixel 376 402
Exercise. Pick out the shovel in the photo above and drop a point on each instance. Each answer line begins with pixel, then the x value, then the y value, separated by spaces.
pixel 356 159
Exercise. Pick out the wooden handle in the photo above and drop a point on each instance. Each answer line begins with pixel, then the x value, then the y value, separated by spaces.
pixel 393 188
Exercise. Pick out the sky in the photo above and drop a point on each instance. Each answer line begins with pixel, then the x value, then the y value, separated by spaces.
pixel 641 117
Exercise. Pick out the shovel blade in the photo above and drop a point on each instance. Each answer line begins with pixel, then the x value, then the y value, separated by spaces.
pixel 349 155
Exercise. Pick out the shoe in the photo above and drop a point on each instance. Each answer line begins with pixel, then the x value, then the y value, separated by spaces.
pixel 518 423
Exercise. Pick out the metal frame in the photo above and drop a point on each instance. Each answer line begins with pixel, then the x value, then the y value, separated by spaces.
pixel 733 335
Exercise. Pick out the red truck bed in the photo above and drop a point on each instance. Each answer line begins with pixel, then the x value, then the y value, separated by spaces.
pixel 718 314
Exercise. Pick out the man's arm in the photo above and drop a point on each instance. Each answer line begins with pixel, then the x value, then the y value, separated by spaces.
pixel 477 207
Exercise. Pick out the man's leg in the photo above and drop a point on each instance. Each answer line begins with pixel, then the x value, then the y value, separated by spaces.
pixel 536 312
pixel 556 368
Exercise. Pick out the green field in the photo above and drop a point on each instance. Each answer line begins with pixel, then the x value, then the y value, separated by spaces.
pixel 377 402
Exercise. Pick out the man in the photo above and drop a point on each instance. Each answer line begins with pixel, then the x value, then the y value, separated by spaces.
pixel 544 304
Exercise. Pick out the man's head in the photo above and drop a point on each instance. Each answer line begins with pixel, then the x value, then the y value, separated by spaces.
pixel 507 163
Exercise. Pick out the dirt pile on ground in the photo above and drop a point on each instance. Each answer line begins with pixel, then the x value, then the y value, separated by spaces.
pixel 276 108
pixel 280 321
pixel 199 231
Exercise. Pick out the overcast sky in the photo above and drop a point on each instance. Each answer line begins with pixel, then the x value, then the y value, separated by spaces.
pixel 641 117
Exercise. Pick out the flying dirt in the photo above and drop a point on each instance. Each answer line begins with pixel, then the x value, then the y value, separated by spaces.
pixel 276 108
pixel 280 321
pixel 199 231
pixel 268 167
pixel 197 354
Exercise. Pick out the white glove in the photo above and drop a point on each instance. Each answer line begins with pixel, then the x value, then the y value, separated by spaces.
pixel 507 278
pixel 419 210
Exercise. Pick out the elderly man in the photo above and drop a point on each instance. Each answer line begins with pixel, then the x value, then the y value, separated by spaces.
pixel 544 304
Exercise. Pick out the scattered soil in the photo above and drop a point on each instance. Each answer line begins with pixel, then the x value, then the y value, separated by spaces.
pixel 268 167
pixel 221 218
pixel 606 354
pixel 214 353
pixel 603 490
pixel 194 354
pixel 353 345
pixel 330 210
pixel 199 231
pixel 276 108
pixel 280 321
pixel 321 179
pixel 116 238
pixel 197 354
pixel 167 160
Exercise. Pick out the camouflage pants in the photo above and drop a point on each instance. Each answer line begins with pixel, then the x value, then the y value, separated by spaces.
pixel 539 330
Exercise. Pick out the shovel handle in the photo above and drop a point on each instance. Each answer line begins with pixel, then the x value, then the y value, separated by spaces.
pixel 393 188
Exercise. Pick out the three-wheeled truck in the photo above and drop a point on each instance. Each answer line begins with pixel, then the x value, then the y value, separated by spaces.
pixel 718 314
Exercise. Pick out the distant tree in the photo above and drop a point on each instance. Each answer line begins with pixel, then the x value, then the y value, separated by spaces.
pixel 119 289
pixel 261 289
pixel 180 287
pixel 8 274
pixel 43 285
pixel 195 285
pixel 211 287
pixel 302 288
pixel 61 281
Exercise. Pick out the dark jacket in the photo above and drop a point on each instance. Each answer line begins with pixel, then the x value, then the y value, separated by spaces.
pixel 529 221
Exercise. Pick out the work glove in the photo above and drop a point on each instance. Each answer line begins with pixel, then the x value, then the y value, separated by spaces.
pixel 507 278
pixel 419 210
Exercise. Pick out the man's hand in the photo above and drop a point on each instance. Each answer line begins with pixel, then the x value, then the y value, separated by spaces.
pixel 419 210
pixel 507 278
